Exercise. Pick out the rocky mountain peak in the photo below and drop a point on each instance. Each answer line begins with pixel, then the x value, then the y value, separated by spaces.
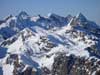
pixel 81 17
pixel 23 15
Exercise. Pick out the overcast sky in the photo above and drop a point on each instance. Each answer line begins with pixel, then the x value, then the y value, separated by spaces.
pixel 90 8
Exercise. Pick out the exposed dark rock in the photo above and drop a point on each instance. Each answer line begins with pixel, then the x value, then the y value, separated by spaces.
pixel 45 71
pixel 1 71
pixel 19 67
pixel 1 21
pixel 72 65
pixel 97 72
pixel 60 65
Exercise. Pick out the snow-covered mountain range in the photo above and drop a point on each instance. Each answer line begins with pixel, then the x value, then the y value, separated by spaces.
pixel 51 45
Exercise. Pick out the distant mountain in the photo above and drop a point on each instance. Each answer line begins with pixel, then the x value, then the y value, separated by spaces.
pixel 52 45
pixel 14 24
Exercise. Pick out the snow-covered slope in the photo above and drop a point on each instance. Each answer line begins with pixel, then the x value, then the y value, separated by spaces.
pixel 34 44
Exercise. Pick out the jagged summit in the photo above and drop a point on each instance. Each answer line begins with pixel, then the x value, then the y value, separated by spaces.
pixel 69 17
pixel 40 16
pixel 9 16
pixel 77 20
pixel 52 15
pixel 73 22
pixel 81 17
pixel 23 15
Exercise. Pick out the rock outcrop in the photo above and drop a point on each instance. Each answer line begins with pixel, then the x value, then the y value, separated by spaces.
pixel 72 65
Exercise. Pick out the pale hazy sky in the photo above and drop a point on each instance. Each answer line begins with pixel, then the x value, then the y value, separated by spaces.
pixel 90 8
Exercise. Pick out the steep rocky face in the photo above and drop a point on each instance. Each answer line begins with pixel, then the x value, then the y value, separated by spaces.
pixel 1 21
pixel 18 67
pixel 52 21
pixel 45 71
pixel 72 65
pixel 60 65
pixel 98 73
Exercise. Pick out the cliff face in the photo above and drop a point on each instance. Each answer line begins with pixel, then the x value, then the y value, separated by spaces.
pixel 72 65
pixel 18 67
